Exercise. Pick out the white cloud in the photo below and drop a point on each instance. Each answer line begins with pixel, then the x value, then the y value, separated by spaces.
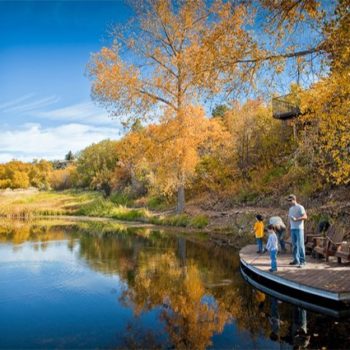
pixel 85 112
pixel 35 141
pixel 15 102
pixel 30 105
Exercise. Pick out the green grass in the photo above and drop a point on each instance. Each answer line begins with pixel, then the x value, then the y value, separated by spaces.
pixel 90 204
pixel 121 199
pixel 157 203
pixel 199 221
pixel 27 204
pixel 182 220
pixel 122 213
pixel 96 207
pixel 105 208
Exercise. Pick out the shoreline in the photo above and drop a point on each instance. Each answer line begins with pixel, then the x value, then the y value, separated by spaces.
pixel 225 226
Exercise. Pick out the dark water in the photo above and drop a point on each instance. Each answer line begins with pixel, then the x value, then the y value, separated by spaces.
pixel 94 285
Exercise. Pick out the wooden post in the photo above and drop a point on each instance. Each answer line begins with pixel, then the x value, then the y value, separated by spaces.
pixel 295 134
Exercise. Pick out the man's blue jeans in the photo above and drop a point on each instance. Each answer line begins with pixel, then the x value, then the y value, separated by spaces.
pixel 298 246
pixel 259 242
pixel 273 256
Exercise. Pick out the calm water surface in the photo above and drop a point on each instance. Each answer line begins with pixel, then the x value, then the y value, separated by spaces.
pixel 98 285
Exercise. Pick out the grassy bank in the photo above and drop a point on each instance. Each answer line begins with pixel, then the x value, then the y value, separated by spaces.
pixel 24 204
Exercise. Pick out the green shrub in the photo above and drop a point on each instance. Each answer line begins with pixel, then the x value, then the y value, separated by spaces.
pixel 121 199
pixel 247 195
pixel 97 207
pixel 274 174
pixel 123 213
pixel 156 220
pixel 199 221
pixel 182 220
pixel 156 203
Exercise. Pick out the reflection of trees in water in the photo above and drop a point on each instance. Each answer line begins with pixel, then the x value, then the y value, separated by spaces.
pixel 179 276
pixel 109 253
pixel 196 286
pixel 190 317
pixel 18 232
pixel 166 273
pixel 135 337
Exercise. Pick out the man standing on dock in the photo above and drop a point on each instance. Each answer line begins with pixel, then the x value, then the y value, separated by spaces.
pixel 297 215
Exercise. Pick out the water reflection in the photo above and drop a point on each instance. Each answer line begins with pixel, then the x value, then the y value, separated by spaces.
pixel 297 333
pixel 293 332
pixel 113 286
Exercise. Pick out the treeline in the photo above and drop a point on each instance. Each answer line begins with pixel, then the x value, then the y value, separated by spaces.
pixel 239 153
pixel 16 174
pixel 175 56
pixel 195 51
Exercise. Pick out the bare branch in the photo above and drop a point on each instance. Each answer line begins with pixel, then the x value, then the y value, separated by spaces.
pixel 157 98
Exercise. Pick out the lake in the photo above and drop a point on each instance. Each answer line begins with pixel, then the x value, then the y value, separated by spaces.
pixel 67 284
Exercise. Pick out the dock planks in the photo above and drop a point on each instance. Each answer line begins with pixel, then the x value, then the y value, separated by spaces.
pixel 318 276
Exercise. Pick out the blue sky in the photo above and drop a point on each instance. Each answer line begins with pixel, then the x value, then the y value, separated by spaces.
pixel 45 105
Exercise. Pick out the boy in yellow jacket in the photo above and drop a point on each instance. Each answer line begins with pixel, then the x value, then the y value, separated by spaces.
pixel 259 232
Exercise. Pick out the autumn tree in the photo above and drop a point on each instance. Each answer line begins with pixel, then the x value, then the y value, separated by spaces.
pixel 62 179
pixel 189 321
pixel 96 164
pixel 256 137
pixel 131 169
pixel 17 174
pixel 173 153
pixel 39 174
pixel 19 179
pixel 326 105
pixel 174 54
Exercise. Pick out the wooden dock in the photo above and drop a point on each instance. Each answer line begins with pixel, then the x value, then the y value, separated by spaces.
pixel 329 283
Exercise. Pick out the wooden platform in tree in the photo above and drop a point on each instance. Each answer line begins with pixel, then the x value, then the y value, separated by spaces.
pixel 327 280
pixel 283 108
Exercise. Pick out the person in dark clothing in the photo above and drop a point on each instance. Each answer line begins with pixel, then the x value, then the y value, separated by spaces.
pixel 323 226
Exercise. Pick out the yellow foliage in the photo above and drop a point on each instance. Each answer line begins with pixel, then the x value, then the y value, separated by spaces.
pixel 61 179
pixel 176 145
pixel 256 137
pixel 19 179
pixel 179 55
pixel 190 50
pixel 16 174
pixel 327 106
pixel 189 320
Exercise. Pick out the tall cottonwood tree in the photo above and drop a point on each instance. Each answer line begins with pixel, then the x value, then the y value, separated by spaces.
pixel 174 150
pixel 174 54
pixel 177 53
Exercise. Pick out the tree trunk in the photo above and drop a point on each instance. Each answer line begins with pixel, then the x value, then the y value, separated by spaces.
pixel 137 187
pixel 295 132
pixel 180 207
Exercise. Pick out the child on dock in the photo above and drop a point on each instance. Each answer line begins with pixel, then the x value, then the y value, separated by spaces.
pixel 272 247
pixel 259 232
